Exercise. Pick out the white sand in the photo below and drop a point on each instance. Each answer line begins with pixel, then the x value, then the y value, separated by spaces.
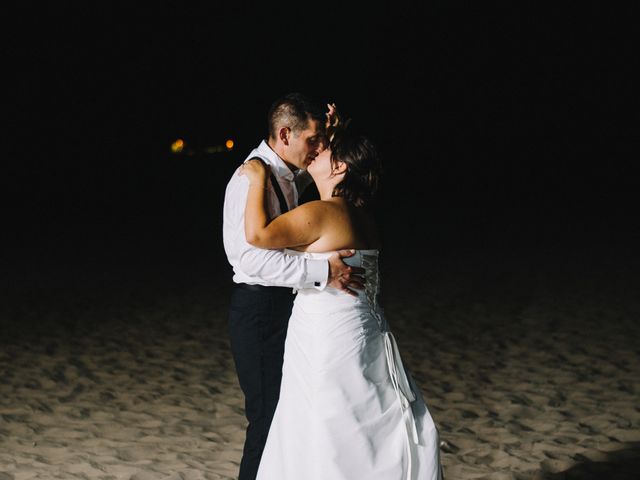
pixel 524 381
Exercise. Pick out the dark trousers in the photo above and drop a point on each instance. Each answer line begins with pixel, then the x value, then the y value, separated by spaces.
pixel 258 319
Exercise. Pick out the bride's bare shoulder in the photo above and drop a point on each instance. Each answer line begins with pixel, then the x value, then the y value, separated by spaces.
pixel 311 212
pixel 320 206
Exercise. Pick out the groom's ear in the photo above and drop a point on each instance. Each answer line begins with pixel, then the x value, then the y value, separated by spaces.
pixel 284 135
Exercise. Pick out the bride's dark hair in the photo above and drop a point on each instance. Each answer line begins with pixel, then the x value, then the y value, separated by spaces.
pixel 362 177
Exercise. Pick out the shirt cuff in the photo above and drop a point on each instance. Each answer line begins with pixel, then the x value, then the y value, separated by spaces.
pixel 317 274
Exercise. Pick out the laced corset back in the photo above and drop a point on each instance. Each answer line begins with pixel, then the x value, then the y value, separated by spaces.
pixel 369 261
pixel 367 298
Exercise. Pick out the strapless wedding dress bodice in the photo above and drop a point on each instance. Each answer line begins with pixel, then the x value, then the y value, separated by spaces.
pixel 348 409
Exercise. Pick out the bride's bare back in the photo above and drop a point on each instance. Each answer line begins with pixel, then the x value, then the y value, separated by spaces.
pixel 343 226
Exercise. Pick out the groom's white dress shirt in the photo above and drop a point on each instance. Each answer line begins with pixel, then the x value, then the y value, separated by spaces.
pixel 256 265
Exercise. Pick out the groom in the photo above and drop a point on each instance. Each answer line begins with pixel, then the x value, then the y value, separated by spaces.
pixel 262 298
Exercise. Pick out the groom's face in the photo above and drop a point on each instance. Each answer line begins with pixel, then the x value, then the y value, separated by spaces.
pixel 305 145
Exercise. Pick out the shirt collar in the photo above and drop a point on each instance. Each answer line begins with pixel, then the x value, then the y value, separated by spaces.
pixel 278 167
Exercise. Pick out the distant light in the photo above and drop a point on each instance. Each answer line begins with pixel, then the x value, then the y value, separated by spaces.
pixel 177 146
pixel 229 144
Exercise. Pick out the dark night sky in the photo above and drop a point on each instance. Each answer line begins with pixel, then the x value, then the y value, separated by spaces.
pixel 509 119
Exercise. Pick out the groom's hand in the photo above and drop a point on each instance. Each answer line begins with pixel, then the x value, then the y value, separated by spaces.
pixel 342 276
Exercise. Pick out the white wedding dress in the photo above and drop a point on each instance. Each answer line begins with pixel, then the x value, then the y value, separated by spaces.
pixel 347 409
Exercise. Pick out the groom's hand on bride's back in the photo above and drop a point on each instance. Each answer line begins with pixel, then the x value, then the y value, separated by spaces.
pixel 342 276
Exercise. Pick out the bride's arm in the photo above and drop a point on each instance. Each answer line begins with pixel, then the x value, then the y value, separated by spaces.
pixel 300 226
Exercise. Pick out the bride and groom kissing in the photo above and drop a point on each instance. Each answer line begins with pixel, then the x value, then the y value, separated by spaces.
pixel 326 394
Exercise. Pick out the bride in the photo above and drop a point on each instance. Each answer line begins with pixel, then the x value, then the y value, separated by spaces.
pixel 348 410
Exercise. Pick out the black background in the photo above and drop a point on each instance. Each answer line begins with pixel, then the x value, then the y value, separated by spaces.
pixel 504 128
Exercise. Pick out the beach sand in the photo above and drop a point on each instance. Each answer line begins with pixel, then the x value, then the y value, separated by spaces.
pixel 531 371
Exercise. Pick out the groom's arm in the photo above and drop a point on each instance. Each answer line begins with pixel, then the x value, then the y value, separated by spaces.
pixel 276 268
pixel 268 267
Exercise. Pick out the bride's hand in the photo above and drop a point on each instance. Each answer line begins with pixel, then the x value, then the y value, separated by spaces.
pixel 255 170
pixel 334 120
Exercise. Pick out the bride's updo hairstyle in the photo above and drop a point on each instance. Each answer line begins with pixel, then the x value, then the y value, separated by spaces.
pixel 362 177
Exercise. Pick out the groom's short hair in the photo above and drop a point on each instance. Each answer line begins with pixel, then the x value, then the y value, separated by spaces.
pixel 294 110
